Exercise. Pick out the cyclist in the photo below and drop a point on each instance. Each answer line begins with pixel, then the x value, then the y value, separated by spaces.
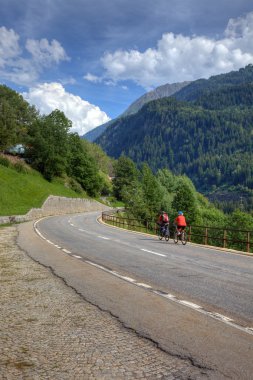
pixel 163 221
pixel 180 222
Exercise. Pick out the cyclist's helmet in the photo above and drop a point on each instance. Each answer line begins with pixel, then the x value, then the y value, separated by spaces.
pixel 180 213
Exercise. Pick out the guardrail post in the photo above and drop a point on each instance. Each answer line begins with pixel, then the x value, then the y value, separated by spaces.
pixel 206 235
pixel 248 242
pixel 189 233
pixel 224 239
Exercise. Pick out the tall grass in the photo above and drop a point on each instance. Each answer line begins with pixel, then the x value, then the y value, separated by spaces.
pixel 20 190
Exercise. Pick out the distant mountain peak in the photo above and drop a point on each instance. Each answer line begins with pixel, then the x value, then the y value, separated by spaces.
pixel 158 93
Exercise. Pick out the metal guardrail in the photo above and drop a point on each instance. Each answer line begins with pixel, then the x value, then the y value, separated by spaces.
pixel 241 240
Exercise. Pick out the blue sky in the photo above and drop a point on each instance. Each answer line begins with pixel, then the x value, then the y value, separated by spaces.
pixel 93 58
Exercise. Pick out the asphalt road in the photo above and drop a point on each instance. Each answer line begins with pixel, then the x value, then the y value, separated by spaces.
pixel 216 280
pixel 194 303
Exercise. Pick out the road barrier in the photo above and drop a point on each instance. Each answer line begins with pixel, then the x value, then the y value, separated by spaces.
pixel 240 240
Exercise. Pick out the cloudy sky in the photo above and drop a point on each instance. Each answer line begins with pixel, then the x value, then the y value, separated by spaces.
pixel 93 58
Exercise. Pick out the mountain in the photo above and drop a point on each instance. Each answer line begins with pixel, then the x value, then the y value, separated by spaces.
pixel 202 87
pixel 92 135
pixel 205 131
pixel 159 92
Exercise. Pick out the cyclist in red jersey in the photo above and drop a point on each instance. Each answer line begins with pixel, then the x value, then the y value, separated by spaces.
pixel 180 222
pixel 163 218
pixel 163 221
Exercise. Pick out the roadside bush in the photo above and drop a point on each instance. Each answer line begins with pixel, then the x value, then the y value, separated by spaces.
pixel 20 167
pixel 4 161
pixel 74 185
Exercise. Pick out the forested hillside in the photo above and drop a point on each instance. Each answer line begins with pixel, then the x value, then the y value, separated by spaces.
pixel 209 138
pixel 206 86
pixel 158 93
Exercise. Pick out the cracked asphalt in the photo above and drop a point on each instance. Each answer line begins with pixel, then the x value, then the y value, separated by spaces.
pixel 48 331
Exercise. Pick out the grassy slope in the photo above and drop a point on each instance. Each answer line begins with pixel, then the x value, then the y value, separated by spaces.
pixel 19 192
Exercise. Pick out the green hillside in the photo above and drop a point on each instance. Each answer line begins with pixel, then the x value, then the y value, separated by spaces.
pixel 211 147
pixel 20 191
pixel 52 150
pixel 202 87
pixel 209 138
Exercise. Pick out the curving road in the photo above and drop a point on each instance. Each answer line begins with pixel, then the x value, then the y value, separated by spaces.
pixel 217 281
pixel 195 303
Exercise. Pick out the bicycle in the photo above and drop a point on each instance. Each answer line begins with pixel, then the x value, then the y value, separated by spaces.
pixel 180 235
pixel 163 232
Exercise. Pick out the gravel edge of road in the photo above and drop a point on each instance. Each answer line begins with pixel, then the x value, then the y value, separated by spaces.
pixel 49 331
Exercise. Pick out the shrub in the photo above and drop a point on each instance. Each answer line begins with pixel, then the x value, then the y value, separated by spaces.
pixel 20 167
pixel 75 186
pixel 4 161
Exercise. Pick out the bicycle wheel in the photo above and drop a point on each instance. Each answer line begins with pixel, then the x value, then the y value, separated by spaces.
pixel 160 234
pixel 167 234
pixel 175 237
pixel 184 237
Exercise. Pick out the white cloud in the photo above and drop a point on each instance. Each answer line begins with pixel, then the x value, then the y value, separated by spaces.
pixel 177 58
pixel 92 78
pixel 17 68
pixel 50 96
pixel 45 53
pixel 9 46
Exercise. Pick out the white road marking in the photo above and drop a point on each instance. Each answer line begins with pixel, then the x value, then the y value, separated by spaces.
pixel 190 304
pixel 128 279
pixel 153 253
pixel 143 285
pixel 65 250
pixel 77 257
pixel 38 232
pixel 222 317
pixel 98 266
pixel 170 296
pixel 82 230
pixel 50 242
pixel 104 237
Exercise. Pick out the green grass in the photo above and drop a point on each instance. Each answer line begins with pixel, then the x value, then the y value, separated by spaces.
pixel 19 192
pixel 114 202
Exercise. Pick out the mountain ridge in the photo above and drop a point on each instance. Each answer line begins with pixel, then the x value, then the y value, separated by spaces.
pixel 159 92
